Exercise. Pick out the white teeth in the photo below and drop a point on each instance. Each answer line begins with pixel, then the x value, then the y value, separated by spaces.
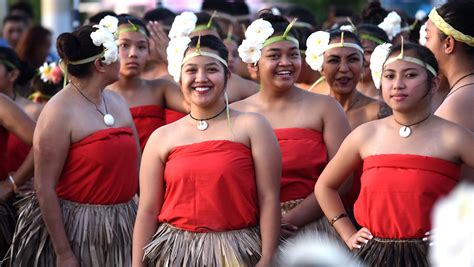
pixel 285 72
pixel 202 89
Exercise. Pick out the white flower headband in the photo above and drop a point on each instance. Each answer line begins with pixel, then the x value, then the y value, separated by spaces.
pixel 257 36
pixel 175 51
pixel 318 43
pixel 183 25
pixel 103 36
pixel 379 59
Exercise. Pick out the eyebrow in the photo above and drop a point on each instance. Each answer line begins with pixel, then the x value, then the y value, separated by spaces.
pixel 403 70
pixel 130 40
pixel 207 65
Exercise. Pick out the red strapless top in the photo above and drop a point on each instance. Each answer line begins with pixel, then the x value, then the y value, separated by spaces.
pixel 210 187
pixel 17 152
pixel 172 116
pixel 304 157
pixel 398 193
pixel 4 134
pixel 101 168
pixel 147 119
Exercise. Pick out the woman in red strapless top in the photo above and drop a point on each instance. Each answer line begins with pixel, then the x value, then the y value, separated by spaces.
pixel 13 120
pixel 309 127
pixel 404 174
pixel 86 165
pixel 147 99
pixel 209 182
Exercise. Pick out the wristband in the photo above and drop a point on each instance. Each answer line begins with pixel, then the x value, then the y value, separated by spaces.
pixel 12 181
pixel 335 219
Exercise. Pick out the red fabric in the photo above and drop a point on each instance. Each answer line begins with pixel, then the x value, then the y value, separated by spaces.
pixel 210 187
pixel 4 134
pixel 17 152
pixel 350 198
pixel 101 168
pixel 398 193
pixel 304 157
pixel 172 116
pixel 147 119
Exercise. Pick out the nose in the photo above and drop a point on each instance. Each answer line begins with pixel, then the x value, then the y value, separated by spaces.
pixel 132 52
pixel 344 66
pixel 284 61
pixel 201 76
pixel 398 82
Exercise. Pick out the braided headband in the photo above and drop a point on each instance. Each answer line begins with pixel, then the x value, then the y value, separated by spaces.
pixel 199 52
pixel 371 38
pixel 283 37
pixel 132 28
pixel 344 44
pixel 401 56
pixel 447 29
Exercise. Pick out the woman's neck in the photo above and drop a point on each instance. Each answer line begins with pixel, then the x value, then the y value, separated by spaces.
pixel 207 112
pixel 92 88
pixel 127 83
pixel 456 68
pixel 347 101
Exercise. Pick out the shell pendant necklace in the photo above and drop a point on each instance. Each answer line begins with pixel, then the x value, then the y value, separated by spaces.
pixel 202 124
pixel 405 130
pixel 108 118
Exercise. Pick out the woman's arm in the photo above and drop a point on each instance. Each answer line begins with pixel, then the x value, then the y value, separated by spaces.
pixel 326 190
pixel 51 146
pixel 336 128
pixel 17 122
pixel 267 160
pixel 151 198
pixel 174 99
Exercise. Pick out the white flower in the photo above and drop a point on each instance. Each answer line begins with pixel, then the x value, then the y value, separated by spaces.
pixel 103 37
pixel 420 15
pixel 348 28
pixel 391 24
pixel 109 22
pixel 453 220
pixel 110 55
pixel 315 59
pixel 175 54
pixel 259 31
pixel 183 25
pixel 377 59
pixel 250 51
pixel 318 41
pixel 422 39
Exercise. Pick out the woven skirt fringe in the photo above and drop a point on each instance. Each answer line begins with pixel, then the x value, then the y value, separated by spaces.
pixel 8 217
pixel 394 252
pixel 175 247
pixel 99 235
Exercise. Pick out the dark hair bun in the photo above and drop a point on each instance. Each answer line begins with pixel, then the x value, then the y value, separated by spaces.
pixel 68 46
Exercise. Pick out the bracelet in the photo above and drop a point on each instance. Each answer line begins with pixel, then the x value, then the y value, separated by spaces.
pixel 12 181
pixel 335 219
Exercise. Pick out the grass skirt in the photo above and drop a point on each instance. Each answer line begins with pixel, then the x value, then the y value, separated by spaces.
pixel 99 235
pixel 8 217
pixel 175 247
pixel 394 252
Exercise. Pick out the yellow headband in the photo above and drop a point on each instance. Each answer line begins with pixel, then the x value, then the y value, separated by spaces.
pixel 132 28
pixel 199 52
pixel 343 44
pixel 284 37
pixel 401 56
pixel 63 65
pixel 447 29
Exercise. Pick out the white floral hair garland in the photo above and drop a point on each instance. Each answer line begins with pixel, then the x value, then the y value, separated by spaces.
pixel 183 25
pixel 104 36
pixel 257 36
pixel 379 57
pixel 318 43
pixel 391 24
pixel 422 39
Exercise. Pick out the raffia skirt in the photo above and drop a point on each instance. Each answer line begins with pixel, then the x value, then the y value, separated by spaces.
pixel 99 235
pixel 394 252
pixel 8 217
pixel 172 246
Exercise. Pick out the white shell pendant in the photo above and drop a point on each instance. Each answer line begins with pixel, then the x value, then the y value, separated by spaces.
pixel 202 125
pixel 404 131
pixel 109 120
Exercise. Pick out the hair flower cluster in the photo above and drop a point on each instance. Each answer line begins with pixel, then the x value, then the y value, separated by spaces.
pixel 104 36
pixel 50 73
pixel 255 35
pixel 175 53
pixel 391 24
pixel 422 39
pixel 183 25
pixel 377 60
pixel 316 44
